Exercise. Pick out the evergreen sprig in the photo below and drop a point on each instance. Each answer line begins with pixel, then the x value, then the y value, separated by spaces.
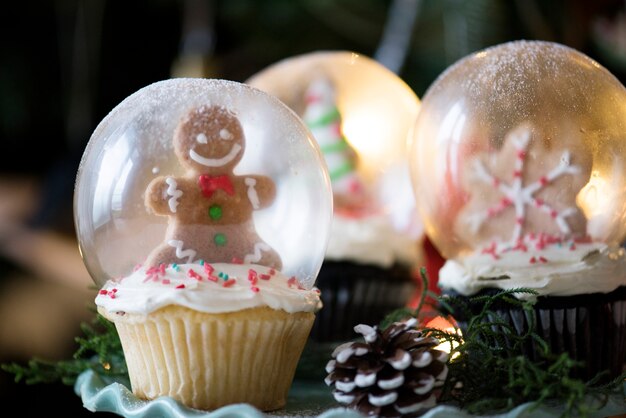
pixel 485 372
pixel 99 349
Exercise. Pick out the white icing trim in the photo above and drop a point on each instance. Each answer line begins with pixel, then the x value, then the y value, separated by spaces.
pixel 215 162
pixel 401 364
pixel 255 257
pixel 253 197
pixel 180 253
pixel 365 380
pixel 386 399
pixel 175 194
pixel 396 382
pixel 226 135
pixel 202 139
pixel 330 366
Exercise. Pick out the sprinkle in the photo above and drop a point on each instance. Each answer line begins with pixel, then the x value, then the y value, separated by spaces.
pixel 212 278
pixel 533 260
pixel 254 289
pixel 265 276
pixel 191 273
pixel 543 180
pixel 162 268
pixel 114 290
pixel 103 292
pixel 229 283
pixel 236 260
pixel 272 272
pixel 252 276
pixel 201 262
pixel 165 281
pixel 112 295
pixel 293 282
pixel 180 286
pixel 225 277
pixel 543 259
pixel 175 267
pixel 220 275
pixel 208 269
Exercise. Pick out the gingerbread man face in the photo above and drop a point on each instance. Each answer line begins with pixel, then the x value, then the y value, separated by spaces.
pixel 209 140
pixel 210 208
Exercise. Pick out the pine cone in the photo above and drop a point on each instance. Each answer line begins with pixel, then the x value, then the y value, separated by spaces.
pixel 395 372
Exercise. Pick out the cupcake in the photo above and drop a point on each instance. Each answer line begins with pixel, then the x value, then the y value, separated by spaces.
pixel 519 171
pixel 360 114
pixel 193 207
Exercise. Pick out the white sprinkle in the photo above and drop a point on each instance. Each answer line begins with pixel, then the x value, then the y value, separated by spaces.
pixel 386 399
pixel 396 382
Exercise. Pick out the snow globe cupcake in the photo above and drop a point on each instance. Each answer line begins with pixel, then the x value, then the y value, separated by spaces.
pixel 518 159
pixel 361 115
pixel 193 203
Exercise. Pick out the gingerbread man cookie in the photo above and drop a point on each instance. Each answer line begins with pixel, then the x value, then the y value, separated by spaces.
pixel 528 187
pixel 210 208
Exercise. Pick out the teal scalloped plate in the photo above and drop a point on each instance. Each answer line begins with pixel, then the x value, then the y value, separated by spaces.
pixel 306 399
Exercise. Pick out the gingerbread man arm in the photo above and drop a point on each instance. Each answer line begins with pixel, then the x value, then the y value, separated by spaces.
pixel 260 190
pixel 162 195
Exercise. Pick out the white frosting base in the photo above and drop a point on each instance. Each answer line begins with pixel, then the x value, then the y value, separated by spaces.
pixel 370 240
pixel 143 293
pixel 589 268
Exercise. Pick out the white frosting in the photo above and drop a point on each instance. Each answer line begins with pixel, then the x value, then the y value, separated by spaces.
pixel 253 197
pixel 145 291
pixel 256 256
pixel 216 162
pixel 557 270
pixel 189 254
pixel 172 190
pixel 370 240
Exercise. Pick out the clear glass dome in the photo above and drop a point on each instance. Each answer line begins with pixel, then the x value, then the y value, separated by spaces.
pixel 376 113
pixel 206 170
pixel 521 140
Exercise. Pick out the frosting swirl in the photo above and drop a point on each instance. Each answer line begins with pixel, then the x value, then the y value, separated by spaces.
pixel 210 288
pixel 554 271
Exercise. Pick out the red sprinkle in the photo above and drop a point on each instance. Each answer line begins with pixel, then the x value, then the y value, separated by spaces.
pixel 208 269
pixel 543 259
pixel 212 278
pixel 180 286
pixel 272 272
pixel 554 213
pixel 166 281
pixel 543 180
pixel 252 276
pixel 194 275
pixel 103 292
pixel 229 282
pixel 112 295
pixel 521 154
pixel 533 260
pixel 265 276
pixel 255 289
pixel 236 260
pixel 114 290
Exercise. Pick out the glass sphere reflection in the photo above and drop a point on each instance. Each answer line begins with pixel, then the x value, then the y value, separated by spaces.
pixel 173 144
pixel 521 139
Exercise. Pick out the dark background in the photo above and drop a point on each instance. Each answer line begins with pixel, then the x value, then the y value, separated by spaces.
pixel 65 64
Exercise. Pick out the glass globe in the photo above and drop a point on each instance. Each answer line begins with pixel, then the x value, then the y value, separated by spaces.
pixel 524 140
pixel 375 114
pixel 152 165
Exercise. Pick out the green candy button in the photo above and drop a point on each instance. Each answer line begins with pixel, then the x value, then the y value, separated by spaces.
pixel 215 212
pixel 219 239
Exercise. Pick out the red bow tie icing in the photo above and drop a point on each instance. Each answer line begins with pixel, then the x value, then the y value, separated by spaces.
pixel 211 184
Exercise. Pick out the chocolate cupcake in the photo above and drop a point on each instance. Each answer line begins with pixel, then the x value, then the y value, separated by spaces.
pixel 524 144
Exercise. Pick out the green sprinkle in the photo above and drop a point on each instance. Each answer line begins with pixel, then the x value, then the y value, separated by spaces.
pixel 220 275
pixel 201 262
pixel 215 212
pixel 219 239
